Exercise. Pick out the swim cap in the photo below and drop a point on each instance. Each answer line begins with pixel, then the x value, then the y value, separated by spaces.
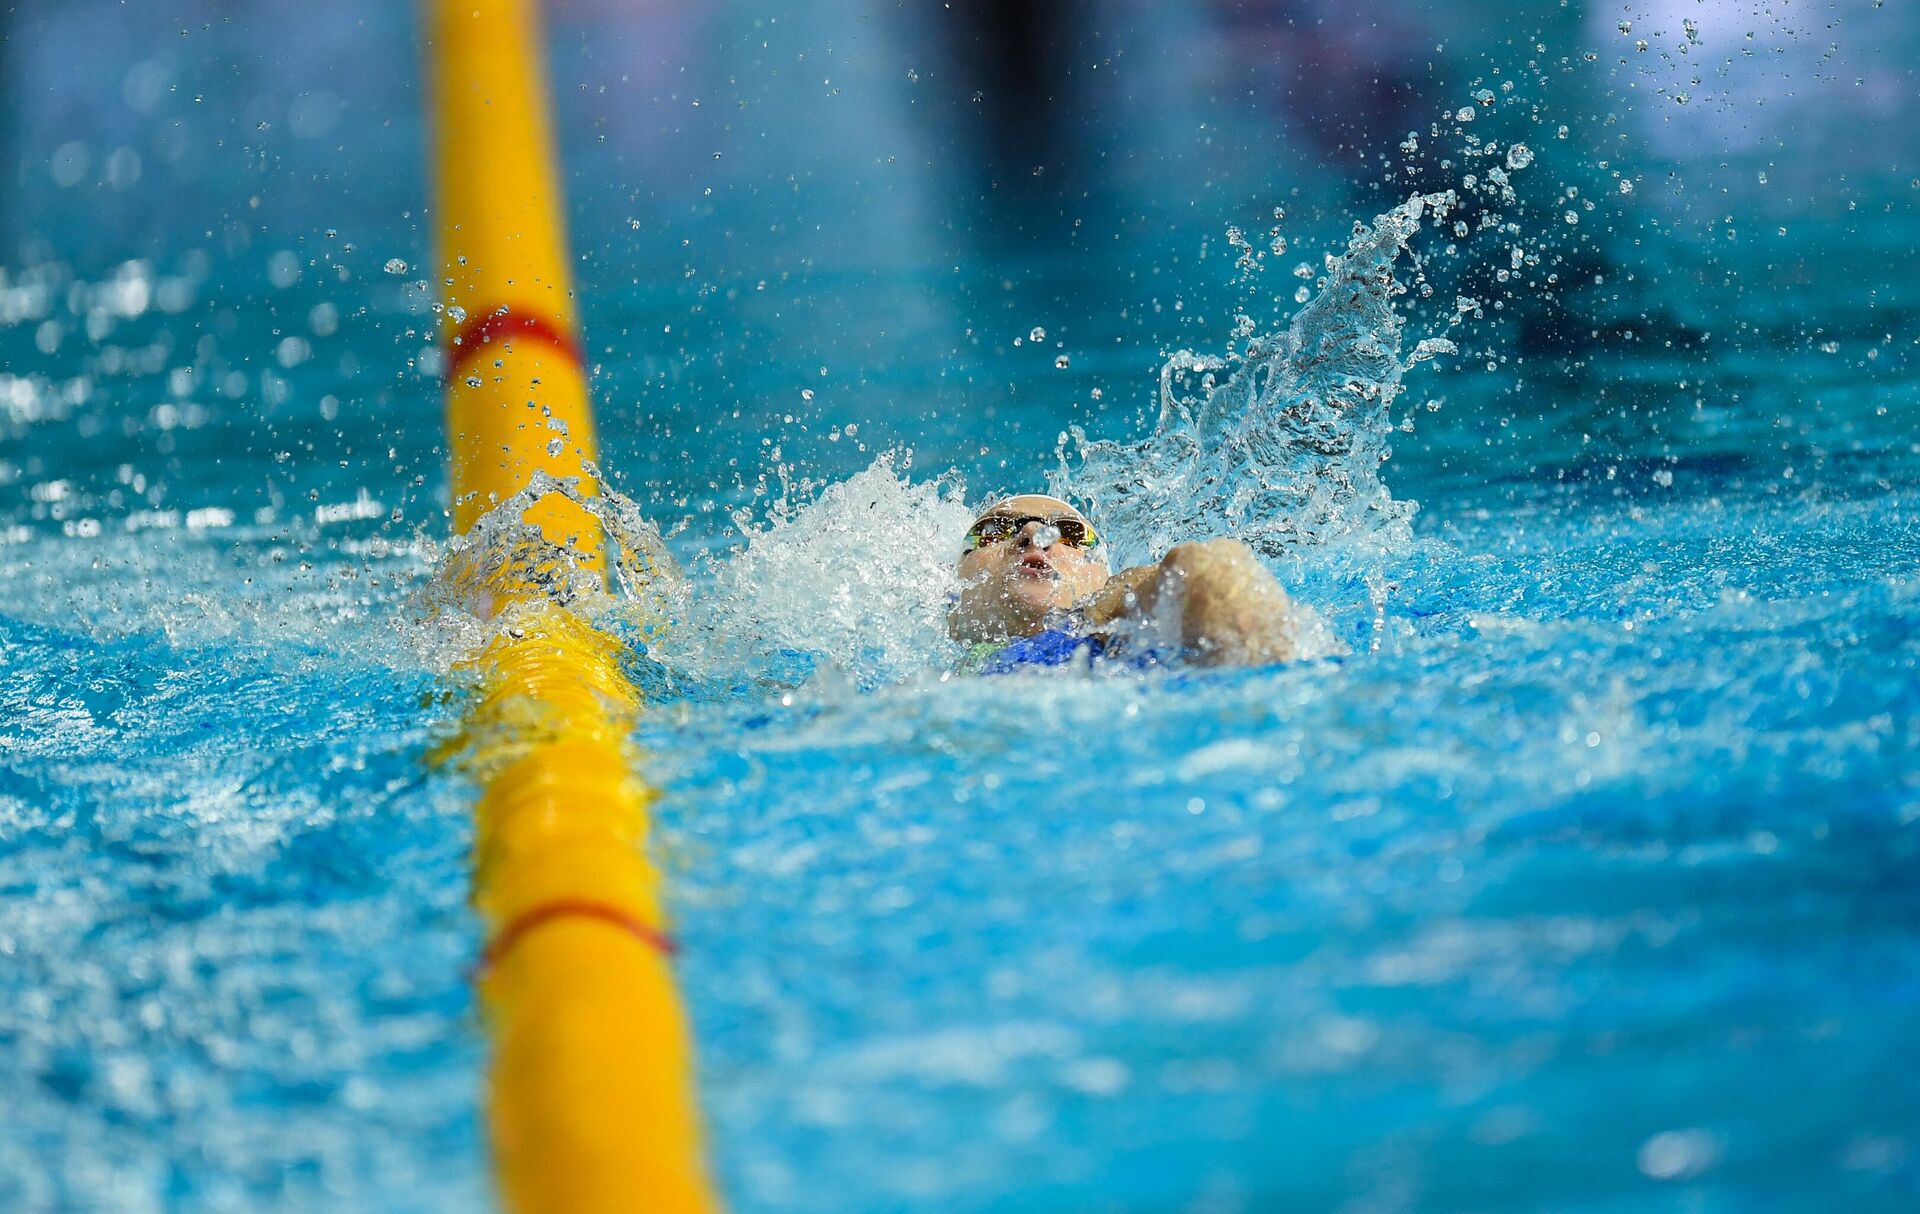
pixel 1064 505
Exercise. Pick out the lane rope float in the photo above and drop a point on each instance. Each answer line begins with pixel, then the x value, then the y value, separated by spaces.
pixel 591 1100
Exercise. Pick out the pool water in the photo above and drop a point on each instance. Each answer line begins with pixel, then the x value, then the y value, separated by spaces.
pixel 1579 869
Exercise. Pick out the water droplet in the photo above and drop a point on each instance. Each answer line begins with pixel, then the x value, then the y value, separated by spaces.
pixel 1678 1154
pixel 457 314
pixel 1483 96
pixel 1096 394
pixel 1519 156
pixel 556 446
pixel 1038 334
pixel 806 394
pixel 1571 217
pixel 396 266
pixel 1626 27
pixel 1302 295
pixel 1062 362
pixel 1626 187
pixel 1465 113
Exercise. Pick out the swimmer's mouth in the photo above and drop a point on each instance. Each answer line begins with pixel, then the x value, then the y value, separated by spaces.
pixel 1036 566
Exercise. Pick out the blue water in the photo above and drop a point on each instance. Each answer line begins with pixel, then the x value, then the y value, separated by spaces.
pixel 1581 873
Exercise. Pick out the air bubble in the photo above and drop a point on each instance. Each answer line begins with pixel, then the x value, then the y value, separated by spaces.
pixel 396 266
pixel 1519 156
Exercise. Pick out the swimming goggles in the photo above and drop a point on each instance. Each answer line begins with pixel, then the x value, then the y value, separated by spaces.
pixel 999 528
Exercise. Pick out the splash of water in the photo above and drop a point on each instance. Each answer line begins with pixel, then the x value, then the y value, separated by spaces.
pixel 1280 445
pixel 504 558
pixel 856 579
pixel 853 581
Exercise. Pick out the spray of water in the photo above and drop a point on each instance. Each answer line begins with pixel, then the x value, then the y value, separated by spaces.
pixel 854 581
pixel 1279 445
pixel 638 589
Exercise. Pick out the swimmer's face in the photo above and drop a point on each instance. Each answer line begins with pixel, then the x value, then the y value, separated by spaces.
pixel 1008 586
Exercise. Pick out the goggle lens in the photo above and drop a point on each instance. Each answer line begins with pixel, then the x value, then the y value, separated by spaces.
pixel 998 528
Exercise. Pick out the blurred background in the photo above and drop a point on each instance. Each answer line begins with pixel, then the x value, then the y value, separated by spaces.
pixel 788 222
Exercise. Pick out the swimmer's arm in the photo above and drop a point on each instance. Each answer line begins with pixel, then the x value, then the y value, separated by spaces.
pixel 1228 609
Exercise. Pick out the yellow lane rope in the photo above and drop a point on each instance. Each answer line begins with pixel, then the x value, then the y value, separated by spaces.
pixel 591 1105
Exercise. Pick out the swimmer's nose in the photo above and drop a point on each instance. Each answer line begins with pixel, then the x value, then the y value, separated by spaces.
pixel 1040 535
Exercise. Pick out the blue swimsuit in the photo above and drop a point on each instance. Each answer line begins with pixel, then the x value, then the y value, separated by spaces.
pixel 1054 647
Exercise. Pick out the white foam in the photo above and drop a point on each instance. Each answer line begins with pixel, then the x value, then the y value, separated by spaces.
pixel 858 577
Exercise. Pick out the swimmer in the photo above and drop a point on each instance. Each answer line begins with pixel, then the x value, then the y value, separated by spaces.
pixel 1035 591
